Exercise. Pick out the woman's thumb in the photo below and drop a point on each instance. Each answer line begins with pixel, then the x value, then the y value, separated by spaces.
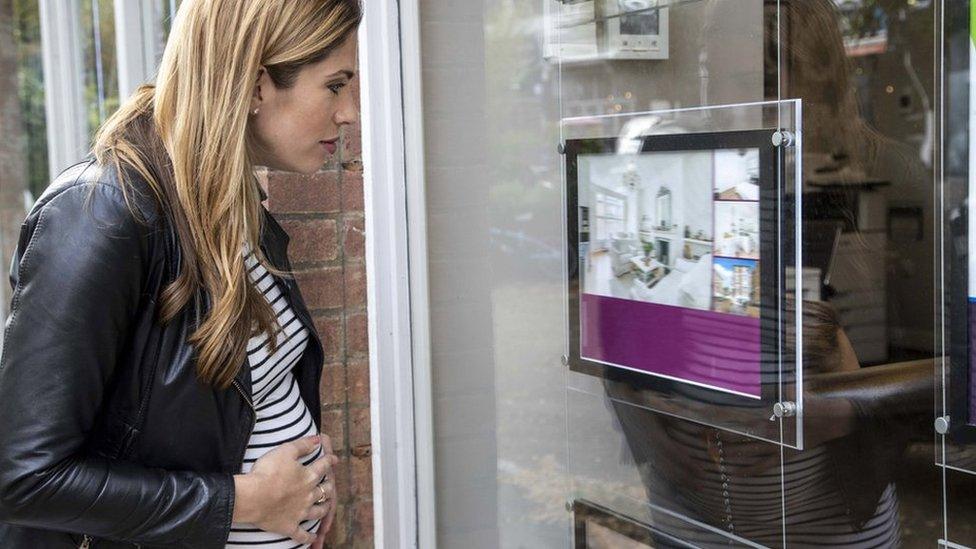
pixel 307 444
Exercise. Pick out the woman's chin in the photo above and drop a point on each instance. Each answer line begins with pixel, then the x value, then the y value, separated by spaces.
pixel 308 168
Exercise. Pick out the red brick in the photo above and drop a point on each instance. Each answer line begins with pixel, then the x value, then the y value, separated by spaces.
pixel 332 387
pixel 357 336
pixel 353 238
pixel 334 425
pixel 357 376
pixel 329 329
pixel 361 476
pixel 321 288
pixel 362 523
pixel 362 540
pixel 355 285
pixel 298 193
pixel 311 239
pixel 359 427
pixel 341 472
pixel 352 144
pixel 352 191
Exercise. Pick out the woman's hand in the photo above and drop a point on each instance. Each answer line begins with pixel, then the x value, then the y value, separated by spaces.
pixel 280 492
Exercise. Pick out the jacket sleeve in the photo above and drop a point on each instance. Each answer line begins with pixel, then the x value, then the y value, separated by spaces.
pixel 77 276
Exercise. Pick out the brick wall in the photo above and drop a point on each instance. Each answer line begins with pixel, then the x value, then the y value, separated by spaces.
pixel 323 215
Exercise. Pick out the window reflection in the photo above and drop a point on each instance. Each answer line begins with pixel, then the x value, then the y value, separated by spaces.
pixel 863 71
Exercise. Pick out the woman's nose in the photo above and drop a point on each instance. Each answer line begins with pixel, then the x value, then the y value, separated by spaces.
pixel 346 116
pixel 348 112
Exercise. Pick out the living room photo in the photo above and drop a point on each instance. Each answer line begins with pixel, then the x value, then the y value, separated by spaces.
pixel 651 226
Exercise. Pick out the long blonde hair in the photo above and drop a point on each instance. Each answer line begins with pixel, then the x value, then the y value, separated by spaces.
pixel 188 137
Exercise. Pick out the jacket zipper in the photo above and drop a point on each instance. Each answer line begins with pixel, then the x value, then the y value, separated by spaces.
pixel 254 420
pixel 86 542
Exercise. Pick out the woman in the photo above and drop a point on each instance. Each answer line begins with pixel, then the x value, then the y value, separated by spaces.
pixel 160 374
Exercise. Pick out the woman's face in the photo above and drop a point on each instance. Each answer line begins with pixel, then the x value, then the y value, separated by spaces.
pixel 297 129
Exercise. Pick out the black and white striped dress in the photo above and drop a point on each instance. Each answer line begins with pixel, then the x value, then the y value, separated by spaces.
pixel 282 415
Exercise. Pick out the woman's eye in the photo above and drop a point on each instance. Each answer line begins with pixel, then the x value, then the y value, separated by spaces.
pixel 336 87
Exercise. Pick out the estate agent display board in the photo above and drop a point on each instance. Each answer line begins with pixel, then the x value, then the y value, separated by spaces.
pixel 681 228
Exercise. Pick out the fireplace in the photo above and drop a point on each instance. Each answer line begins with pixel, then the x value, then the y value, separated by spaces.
pixel 663 250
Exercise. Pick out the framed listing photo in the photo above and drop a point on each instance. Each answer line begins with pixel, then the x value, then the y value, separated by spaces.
pixel 676 274
pixel 596 527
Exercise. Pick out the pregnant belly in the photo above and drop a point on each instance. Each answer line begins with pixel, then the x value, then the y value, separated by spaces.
pixel 282 417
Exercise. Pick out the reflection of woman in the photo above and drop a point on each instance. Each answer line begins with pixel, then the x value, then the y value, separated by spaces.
pixel 842 148
pixel 159 384
pixel 838 492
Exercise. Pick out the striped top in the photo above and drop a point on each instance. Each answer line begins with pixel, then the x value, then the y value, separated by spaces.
pixel 282 415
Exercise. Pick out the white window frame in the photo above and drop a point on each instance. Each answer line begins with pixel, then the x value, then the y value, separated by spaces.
pixel 64 83
pixel 396 266
pixel 137 34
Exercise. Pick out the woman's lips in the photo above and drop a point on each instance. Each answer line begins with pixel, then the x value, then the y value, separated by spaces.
pixel 330 146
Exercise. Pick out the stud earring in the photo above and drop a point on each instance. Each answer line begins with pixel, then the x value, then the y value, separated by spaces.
pixel 255 111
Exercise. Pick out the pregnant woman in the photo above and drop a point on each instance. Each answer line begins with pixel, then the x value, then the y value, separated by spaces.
pixel 159 382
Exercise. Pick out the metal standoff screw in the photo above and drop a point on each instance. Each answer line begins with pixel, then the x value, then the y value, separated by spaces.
pixel 783 138
pixel 561 148
pixel 569 506
pixel 942 425
pixel 565 360
pixel 784 409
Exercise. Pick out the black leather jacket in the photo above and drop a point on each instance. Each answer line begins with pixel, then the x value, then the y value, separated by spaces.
pixel 106 435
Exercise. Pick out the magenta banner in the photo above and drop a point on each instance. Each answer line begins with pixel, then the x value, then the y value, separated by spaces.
pixel 718 350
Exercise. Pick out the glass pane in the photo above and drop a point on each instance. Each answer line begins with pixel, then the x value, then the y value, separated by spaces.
pixel 690 300
pixel 26 76
pixel 512 91
pixel 24 168
pixel 101 71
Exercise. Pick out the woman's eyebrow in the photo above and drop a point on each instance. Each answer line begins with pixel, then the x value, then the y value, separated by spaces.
pixel 344 72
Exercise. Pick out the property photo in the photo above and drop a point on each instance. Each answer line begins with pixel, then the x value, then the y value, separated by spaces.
pixel 735 286
pixel 737 229
pixel 737 174
pixel 651 227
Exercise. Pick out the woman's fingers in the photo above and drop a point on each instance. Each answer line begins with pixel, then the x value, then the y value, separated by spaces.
pixel 326 491
pixel 326 443
pixel 303 446
pixel 300 535
pixel 320 467
pixel 318 511
pixel 326 524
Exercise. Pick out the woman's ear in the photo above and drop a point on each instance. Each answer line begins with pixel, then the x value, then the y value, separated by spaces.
pixel 256 97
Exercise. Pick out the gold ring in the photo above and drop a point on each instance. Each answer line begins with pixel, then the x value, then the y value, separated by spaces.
pixel 321 499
